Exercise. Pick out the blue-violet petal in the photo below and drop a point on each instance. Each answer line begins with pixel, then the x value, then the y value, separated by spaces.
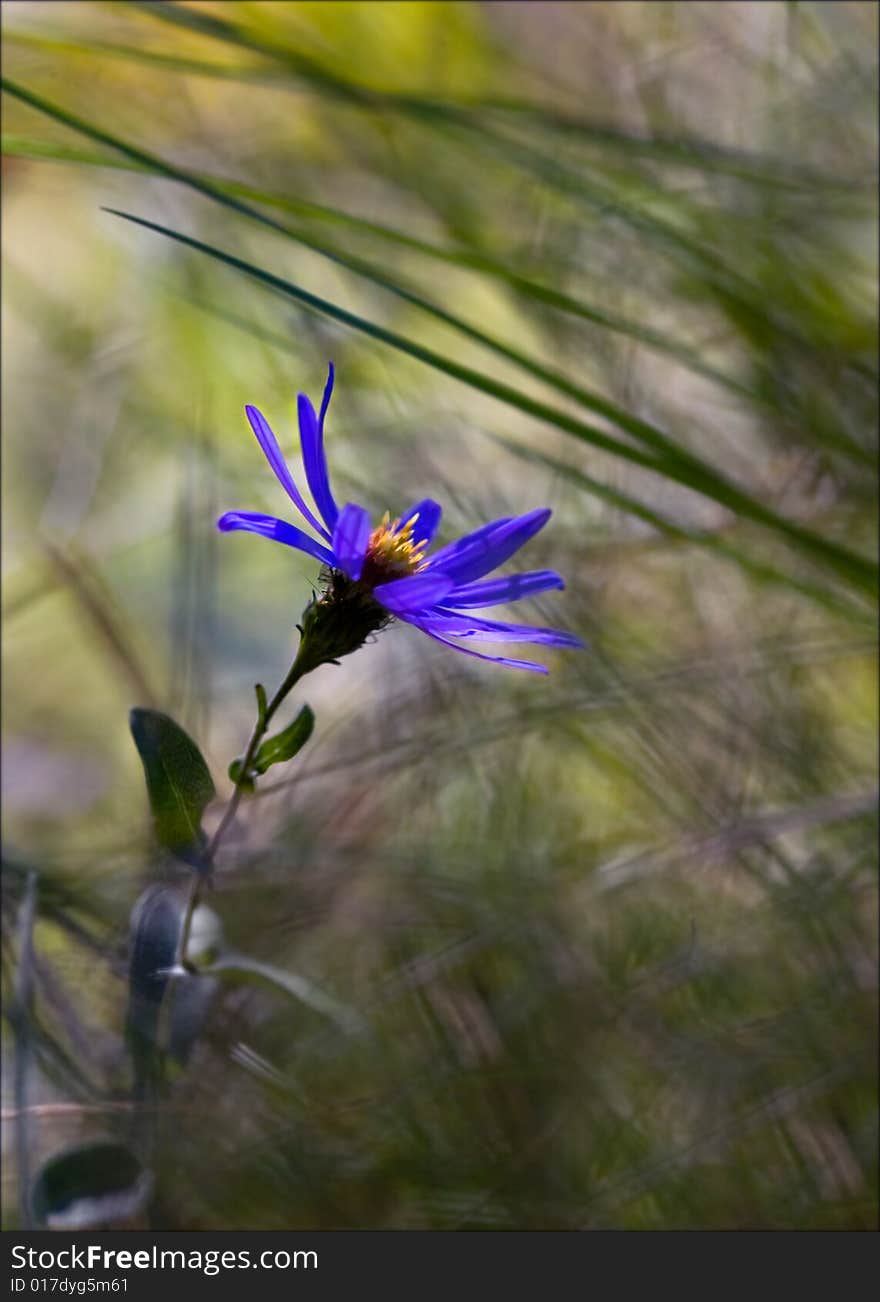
pixel 278 530
pixel 351 535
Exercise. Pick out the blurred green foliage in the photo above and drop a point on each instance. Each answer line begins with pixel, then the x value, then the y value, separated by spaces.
pixel 614 932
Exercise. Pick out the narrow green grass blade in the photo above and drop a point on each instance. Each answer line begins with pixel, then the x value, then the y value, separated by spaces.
pixel 674 241
pixel 605 492
pixel 855 569
pixel 674 461
pixel 468 259
pixel 222 29
pixel 690 152
pixel 640 429
pixel 669 529
pixel 170 62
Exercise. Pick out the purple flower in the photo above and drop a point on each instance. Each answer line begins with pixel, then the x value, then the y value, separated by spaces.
pixel 387 568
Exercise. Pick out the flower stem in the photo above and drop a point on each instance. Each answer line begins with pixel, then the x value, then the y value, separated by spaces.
pixel 298 670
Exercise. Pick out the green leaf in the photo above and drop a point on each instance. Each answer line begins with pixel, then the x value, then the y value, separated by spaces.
pixel 154 935
pixel 179 784
pixel 241 968
pixel 93 1186
pixel 167 1003
pixel 275 750
pixel 284 745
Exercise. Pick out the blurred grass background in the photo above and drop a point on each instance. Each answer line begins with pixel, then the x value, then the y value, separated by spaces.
pixel 614 931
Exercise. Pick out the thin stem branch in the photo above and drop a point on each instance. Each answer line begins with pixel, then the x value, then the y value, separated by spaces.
pixel 298 670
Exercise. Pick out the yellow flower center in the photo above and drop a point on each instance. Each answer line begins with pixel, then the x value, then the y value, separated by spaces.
pixel 392 551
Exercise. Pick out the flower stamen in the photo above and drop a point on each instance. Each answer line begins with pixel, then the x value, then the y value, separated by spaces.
pixel 393 550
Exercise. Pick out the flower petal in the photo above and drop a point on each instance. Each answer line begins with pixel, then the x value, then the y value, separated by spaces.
pixel 351 534
pixel 278 530
pixel 325 401
pixel 498 660
pixel 494 592
pixel 429 513
pixel 447 622
pixel 272 451
pixel 311 437
pixel 454 549
pixel 415 592
pixel 494 547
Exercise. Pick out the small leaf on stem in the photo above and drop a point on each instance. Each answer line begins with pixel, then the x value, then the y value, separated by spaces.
pixel 284 745
pixel 275 750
